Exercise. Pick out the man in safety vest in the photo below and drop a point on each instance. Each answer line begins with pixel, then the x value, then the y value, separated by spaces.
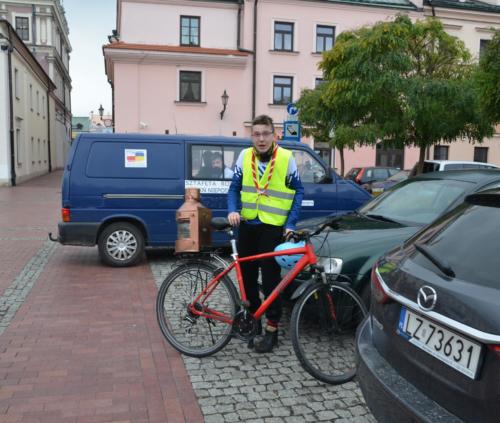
pixel 267 185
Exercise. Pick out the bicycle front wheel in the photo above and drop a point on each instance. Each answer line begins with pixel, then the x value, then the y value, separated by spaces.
pixel 323 330
pixel 196 336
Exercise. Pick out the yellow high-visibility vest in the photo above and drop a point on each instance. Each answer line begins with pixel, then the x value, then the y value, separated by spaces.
pixel 272 207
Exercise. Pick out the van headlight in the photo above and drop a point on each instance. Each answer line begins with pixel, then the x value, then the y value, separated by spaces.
pixel 332 265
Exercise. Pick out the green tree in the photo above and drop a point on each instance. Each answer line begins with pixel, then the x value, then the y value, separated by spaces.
pixel 318 120
pixel 405 83
pixel 488 78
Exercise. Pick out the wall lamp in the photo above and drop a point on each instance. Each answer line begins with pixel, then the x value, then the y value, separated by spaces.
pixel 224 97
pixel 114 37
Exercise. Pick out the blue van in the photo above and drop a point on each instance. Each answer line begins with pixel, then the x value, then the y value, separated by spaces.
pixel 121 191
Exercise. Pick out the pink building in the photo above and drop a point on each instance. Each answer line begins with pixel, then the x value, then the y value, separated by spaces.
pixel 171 62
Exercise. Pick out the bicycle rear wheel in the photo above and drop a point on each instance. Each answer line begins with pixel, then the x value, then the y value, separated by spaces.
pixel 323 330
pixel 196 336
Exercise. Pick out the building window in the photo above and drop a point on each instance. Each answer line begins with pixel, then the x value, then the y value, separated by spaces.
pixel 43 106
pixel 190 31
pixel 481 154
pixel 318 82
pixel 283 36
pixel 325 36
pixel 58 42
pixel 282 89
pixel 190 86
pixel 483 45
pixel 23 28
pixel 389 156
pixel 441 152
pixel 16 84
pixel 18 147
pixel 31 97
pixel 38 102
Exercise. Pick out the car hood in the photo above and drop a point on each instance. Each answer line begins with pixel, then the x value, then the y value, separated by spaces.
pixel 359 239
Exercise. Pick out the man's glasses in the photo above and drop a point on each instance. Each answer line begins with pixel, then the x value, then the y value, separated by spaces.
pixel 264 134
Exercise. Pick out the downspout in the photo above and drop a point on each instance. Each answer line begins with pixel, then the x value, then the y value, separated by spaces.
pixel 33 27
pixel 48 128
pixel 238 35
pixel 254 67
pixel 252 52
pixel 112 104
pixel 11 111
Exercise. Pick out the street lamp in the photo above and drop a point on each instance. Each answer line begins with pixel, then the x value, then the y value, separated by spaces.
pixel 224 97
pixel 101 111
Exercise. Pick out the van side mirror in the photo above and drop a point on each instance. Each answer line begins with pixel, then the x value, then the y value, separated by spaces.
pixel 327 177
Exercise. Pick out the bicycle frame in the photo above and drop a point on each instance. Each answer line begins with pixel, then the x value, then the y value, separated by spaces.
pixel 308 258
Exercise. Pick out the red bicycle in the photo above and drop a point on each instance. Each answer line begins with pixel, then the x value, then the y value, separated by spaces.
pixel 199 309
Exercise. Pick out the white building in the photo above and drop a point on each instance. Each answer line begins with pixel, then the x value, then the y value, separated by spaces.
pixel 42 26
pixel 25 111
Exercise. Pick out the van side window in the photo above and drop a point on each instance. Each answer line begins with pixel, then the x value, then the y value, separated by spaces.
pixel 310 170
pixel 231 155
pixel 213 162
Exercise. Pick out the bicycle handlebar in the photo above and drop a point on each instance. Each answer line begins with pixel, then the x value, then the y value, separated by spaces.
pixel 306 234
pixel 222 224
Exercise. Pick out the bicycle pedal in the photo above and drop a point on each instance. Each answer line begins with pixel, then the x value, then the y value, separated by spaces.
pixel 189 319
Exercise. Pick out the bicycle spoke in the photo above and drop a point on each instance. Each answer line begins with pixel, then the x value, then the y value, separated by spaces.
pixel 189 333
pixel 324 323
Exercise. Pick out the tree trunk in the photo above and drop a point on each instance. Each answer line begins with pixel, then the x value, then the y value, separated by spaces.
pixel 421 158
pixel 341 154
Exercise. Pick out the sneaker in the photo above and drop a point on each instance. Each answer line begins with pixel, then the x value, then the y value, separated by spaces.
pixel 266 343
pixel 257 332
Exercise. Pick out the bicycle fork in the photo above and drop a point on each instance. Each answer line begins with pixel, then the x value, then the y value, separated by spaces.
pixel 328 309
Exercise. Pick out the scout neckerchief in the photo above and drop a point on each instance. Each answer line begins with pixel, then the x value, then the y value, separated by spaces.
pixel 263 191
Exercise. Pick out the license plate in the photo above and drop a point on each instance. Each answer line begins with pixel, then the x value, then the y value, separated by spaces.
pixel 377 191
pixel 452 349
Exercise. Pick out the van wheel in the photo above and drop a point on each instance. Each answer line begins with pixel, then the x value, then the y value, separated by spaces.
pixel 121 244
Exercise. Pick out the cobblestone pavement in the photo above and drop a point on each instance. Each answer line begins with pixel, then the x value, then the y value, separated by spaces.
pixel 13 297
pixel 236 384
pixel 79 342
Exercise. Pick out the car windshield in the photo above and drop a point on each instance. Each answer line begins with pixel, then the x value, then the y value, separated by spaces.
pixel 430 167
pixel 400 176
pixel 416 202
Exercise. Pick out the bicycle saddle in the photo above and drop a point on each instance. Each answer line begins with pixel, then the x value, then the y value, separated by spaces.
pixel 220 223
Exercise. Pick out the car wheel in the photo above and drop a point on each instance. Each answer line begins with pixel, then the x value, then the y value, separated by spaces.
pixel 121 244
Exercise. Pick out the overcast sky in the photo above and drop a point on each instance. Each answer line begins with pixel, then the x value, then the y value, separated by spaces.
pixel 90 22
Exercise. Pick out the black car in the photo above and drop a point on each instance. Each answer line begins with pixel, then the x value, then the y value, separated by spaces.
pixel 388 220
pixel 430 348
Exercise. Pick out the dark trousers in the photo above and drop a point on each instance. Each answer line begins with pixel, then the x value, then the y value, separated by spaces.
pixel 257 239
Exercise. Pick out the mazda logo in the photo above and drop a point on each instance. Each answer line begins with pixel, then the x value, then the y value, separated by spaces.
pixel 426 298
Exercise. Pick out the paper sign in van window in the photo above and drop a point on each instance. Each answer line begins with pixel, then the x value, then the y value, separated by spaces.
pixel 136 158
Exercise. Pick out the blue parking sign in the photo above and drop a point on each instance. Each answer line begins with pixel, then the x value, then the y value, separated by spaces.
pixel 291 131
